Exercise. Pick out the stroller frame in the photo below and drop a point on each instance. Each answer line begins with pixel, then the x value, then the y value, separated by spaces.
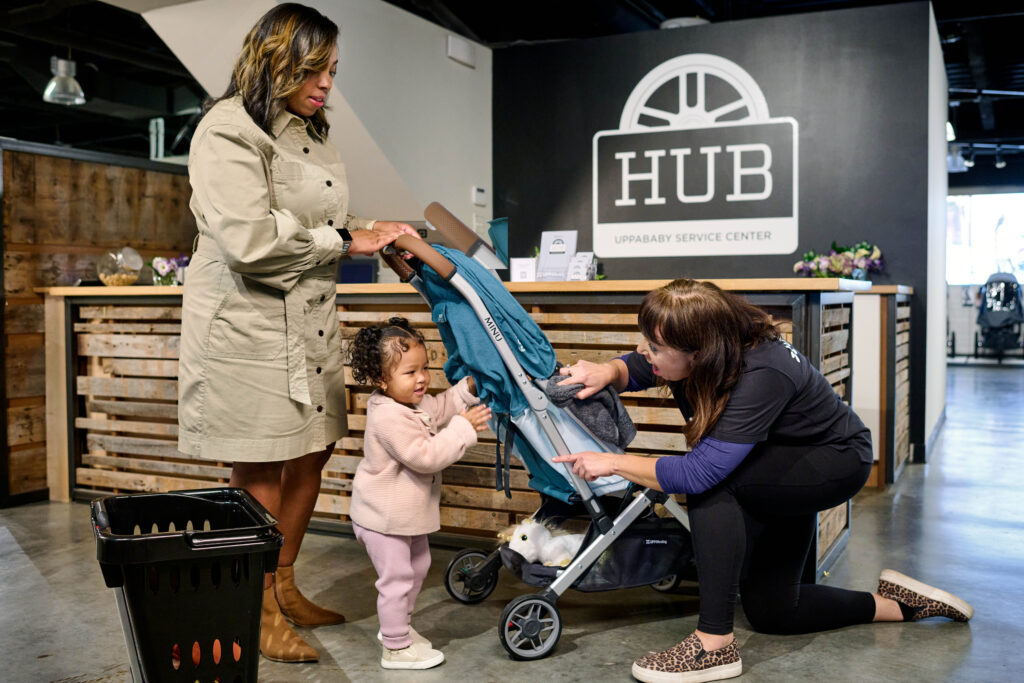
pixel 530 625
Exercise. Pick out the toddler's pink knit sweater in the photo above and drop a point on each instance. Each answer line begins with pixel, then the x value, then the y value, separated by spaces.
pixel 397 487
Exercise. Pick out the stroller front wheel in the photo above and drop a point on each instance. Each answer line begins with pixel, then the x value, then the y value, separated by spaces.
pixel 530 627
pixel 468 579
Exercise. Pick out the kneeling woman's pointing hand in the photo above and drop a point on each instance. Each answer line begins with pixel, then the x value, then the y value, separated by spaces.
pixel 589 464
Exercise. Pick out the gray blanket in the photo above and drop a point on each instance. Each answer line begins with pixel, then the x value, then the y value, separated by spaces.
pixel 602 413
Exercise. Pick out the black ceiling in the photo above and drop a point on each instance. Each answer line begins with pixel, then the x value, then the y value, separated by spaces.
pixel 130 76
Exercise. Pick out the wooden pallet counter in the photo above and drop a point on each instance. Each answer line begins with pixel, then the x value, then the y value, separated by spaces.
pixel 112 366
pixel 61 209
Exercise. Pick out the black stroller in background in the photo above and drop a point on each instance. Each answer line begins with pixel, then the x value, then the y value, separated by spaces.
pixel 1000 315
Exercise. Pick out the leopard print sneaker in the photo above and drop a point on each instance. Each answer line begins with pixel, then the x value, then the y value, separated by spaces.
pixel 925 600
pixel 689 662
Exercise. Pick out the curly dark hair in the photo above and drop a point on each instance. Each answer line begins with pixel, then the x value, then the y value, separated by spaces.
pixel 376 349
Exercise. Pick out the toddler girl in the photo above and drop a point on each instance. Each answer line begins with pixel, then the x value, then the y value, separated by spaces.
pixel 410 437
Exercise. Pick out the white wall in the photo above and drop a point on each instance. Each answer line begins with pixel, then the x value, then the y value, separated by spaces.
pixel 935 323
pixel 429 115
pixel 868 347
pixel 412 126
pixel 206 36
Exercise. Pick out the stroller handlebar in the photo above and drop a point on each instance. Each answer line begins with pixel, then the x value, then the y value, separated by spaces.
pixel 455 232
pixel 421 250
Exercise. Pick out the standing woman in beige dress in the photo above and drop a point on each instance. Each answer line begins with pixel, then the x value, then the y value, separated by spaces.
pixel 261 382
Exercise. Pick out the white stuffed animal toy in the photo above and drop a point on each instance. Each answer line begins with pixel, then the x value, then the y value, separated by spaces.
pixel 544 542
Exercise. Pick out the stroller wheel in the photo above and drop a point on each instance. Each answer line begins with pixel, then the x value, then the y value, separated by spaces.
pixel 666 585
pixel 467 580
pixel 530 627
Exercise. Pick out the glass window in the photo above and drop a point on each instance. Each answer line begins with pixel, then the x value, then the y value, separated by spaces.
pixel 984 235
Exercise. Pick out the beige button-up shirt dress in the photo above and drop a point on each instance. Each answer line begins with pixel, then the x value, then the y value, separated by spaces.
pixel 260 374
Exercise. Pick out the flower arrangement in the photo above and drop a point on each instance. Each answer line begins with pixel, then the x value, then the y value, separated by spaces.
pixel 852 262
pixel 169 271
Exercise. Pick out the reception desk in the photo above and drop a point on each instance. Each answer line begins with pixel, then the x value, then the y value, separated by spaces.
pixel 111 372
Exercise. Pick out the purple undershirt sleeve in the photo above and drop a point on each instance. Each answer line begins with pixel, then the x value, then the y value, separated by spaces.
pixel 707 464
pixel 632 385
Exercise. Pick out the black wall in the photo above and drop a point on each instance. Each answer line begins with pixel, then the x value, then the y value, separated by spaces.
pixel 855 80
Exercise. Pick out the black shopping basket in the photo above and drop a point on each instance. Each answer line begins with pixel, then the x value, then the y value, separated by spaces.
pixel 187 569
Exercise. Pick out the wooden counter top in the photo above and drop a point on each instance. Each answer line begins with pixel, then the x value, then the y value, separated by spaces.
pixel 888 289
pixel 135 290
pixel 788 284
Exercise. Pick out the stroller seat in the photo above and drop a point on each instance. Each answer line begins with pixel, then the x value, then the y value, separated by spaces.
pixel 528 445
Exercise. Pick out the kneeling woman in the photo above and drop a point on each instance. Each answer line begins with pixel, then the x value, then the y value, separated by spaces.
pixel 773 445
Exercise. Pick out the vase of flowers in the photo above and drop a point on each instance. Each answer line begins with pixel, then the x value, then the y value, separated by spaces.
pixel 169 271
pixel 850 262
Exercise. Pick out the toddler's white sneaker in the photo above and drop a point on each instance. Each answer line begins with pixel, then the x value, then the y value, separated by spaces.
pixel 416 656
pixel 416 637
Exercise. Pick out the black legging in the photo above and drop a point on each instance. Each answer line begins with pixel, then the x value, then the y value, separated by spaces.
pixel 752 533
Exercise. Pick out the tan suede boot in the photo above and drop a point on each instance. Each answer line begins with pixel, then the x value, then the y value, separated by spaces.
pixel 277 639
pixel 294 604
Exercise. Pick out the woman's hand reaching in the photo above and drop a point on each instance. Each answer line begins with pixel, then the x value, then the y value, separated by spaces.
pixel 588 464
pixel 478 416
pixel 593 376
pixel 383 234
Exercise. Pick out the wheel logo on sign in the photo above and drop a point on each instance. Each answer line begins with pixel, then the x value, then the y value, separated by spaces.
pixel 696 167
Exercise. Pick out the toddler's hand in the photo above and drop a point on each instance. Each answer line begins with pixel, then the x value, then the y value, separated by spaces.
pixel 477 416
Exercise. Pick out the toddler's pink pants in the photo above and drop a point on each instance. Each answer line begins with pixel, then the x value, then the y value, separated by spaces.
pixel 401 563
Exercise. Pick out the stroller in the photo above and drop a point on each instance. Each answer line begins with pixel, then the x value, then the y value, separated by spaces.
pixel 626 543
pixel 1000 315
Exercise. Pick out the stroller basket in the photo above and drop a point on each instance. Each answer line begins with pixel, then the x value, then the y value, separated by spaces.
pixel 647 552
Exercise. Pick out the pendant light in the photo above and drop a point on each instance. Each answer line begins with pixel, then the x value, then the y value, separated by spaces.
pixel 63 88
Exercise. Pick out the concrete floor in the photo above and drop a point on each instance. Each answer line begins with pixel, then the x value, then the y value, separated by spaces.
pixel 955 522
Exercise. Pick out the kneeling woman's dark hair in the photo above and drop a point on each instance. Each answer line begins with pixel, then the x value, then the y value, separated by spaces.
pixel 695 316
pixel 377 349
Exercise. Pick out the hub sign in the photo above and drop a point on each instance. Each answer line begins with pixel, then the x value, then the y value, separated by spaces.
pixel 697 167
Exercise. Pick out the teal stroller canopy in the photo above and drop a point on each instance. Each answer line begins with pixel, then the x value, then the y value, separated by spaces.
pixel 469 341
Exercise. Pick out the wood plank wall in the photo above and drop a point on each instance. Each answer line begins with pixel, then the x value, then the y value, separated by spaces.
pixel 835 347
pixel 128 385
pixel 835 365
pixel 901 399
pixel 59 216
pixel 129 389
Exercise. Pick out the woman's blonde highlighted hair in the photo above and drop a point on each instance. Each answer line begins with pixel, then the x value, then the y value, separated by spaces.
pixel 287 44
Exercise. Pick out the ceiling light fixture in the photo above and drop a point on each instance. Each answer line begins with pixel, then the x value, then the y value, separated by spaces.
pixel 950 133
pixel 1000 161
pixel 63 88
pixel 683 22
pixel 969 158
